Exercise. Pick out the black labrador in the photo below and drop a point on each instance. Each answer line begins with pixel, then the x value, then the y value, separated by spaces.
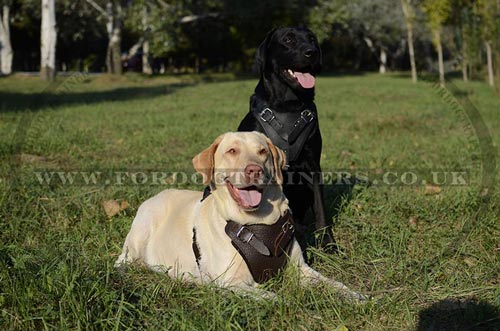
pixel 283 108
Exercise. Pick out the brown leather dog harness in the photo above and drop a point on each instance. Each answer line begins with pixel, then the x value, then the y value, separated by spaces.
pixel 264 248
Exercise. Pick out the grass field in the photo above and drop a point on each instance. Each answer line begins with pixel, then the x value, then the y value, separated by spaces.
pixel 429 256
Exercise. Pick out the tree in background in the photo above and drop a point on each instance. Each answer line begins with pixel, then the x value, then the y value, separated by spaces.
pixel 48 41
pixel 222 35
pixel 114 15
pixel 409 15
pixel 487 11
pixel 324 14
pixel 6 53
pixel 462 19
pixel 380 24
pixel 466 23
pixel 250 21
pixel 112 11
pixel 154 22
pixel 496 46
pixel 437 12
pixel 146 28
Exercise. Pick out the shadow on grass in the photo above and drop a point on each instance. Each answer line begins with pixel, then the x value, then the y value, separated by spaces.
pixel 16 102
pixel 463 315
pixel 335 197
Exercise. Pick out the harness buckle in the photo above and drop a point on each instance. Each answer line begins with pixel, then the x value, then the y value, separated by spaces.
pixel 270 115
pixel 307 116
pixel 288 226
pixel 247 236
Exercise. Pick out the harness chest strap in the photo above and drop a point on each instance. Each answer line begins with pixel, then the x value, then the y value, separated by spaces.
pixel 277 238
pixel 291 139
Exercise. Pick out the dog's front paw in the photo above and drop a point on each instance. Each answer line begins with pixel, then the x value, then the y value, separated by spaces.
pixel 358 297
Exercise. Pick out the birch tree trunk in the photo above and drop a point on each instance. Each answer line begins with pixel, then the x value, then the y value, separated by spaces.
pixel 146 66
pixel 489 57
pixel 48 41
pixel 409 16
pixel 383 61
pixel 114 28
pixel 496 50
pixel 411 52
pixel 465 58
pixel 439 47
pixel 5 45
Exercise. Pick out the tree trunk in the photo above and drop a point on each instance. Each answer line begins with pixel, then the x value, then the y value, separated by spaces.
pixel 411 51
pixel 437 40
pixel 383 61
pixel 5 45
pixel 496 52
pixel 497 61
pixel 146 66
pixel 489 56
pixel 465 58
pixel 48 41
pixel 408 14
pixel 114 28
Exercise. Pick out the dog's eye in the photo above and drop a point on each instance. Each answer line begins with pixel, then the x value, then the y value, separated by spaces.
pixel 287 40
pixel 263 151
pixel 231 151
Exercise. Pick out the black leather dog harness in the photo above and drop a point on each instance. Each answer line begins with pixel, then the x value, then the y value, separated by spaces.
pixel 264 248
pixel 288 131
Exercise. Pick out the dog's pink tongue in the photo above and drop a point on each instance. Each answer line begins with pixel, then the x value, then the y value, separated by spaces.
pixel 250 197
pixel 306 80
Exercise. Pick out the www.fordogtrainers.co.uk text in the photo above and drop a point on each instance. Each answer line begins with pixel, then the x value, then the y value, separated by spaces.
pixel 375 177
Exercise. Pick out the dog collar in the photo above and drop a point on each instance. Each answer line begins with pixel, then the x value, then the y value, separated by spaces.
pixel 206 192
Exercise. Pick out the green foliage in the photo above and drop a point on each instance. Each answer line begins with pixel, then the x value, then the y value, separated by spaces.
pixel 381 21
pixel 160 24
pixel 325 14
pixel 488 10
pixel 437 12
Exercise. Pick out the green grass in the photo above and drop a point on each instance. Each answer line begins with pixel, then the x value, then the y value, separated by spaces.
pixel 430 261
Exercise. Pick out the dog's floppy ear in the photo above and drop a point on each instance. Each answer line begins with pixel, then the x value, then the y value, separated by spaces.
pixel 279 161
pixel 203 163
pixel 261 54
pixel 317 68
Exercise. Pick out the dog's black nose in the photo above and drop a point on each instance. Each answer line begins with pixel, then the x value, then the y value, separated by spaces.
pixel 309 52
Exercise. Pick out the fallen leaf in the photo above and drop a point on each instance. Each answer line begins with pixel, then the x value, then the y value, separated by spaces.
pixel 470 262
pixel 111 207
pixel 432 189
pixel 413 222
pixel 124 205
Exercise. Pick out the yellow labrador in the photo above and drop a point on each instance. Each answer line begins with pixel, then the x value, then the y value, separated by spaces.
pixel 238 236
